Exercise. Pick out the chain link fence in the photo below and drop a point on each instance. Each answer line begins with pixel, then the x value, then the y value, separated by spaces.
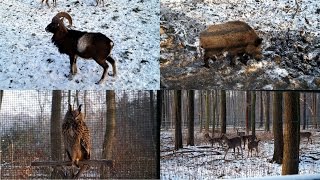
pixel 25 133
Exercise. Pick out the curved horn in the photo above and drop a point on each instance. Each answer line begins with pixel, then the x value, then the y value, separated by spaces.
pixel 64 15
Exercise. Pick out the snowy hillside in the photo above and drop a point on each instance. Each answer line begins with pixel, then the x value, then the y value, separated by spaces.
pixel 28 59
pixel 205 162
pixel 289 28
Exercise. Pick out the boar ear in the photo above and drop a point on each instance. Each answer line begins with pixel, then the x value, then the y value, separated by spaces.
pixel 258 41
pixel 79 108
pixel 69 107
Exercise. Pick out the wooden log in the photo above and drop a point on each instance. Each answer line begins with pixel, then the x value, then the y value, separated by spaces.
pixel 68 163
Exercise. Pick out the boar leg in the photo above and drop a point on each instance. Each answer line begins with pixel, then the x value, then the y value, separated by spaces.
pixel 243 58
pixel 232 59
pixel 206 60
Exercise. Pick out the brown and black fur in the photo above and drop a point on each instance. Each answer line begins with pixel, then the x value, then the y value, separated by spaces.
pixel 94 45
pixel 235 37
pixel 213 140
pixel 253 145
pixel 232 143
pixel 76 138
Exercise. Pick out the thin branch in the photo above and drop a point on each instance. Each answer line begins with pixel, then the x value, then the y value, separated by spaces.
pixel 68 163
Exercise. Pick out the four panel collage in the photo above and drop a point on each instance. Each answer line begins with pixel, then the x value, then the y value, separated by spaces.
pixel 159 89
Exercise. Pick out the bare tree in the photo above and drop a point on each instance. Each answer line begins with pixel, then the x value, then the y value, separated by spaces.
pixel 277 128
pixel 314 110
pixel 160 96
pixel 214 107
pixel 69 96
pixel 291 133
pixel 55 132
pixel 261 110
pixel 248 109
pixel 178 130
pixel 110 129
pixel 304 111
pixel 253 113
pixel 223 114
pixel 190 140
pixel 76 98
pixel 1 96
pixel 267 111
pixel 207 110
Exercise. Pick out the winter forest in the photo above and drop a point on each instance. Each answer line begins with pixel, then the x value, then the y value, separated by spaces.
pixel 122 126
pixel 239 134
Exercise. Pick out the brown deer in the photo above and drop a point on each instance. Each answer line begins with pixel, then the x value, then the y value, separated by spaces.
pixel 240 133
pixel 247 138
pixel 232 143
pixel 306 135
pixel 213 140
pixel 253 145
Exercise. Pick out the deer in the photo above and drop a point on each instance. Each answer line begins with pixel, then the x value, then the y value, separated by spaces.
pixel 253 145
pixel 247 138
pixel 306 135
pixel 213 140
pixel 240 133
pixel 232 143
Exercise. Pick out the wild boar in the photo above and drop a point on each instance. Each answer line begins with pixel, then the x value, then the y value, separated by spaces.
pixel 235 37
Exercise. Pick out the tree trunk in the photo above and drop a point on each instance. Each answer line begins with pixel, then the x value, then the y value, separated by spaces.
pixel 253 113
pixel 200 109
pixel 314 110
pixel 223 114
pixel 261 110
pixel 1 96
pixel 190 140
pixel 178 128
pixel 160 97
pixel 277 127
pixel 69 97
pixel 291 133
pixel 214 112
pixel 56 132
pixel 267 111
pixel 110 130
pixel 304 111
pixel 207 111
pixel 248 114
pixel 77 98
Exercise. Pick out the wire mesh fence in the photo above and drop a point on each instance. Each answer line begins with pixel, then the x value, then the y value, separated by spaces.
pixel 26 133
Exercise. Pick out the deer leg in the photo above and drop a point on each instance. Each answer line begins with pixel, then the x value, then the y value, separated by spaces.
pixel 226 153
pixel 234 152
pixel 206 61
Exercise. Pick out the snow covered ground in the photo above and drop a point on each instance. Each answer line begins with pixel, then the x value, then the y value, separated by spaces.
pixel 290 32
pixel 205 162
pixel 28 59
